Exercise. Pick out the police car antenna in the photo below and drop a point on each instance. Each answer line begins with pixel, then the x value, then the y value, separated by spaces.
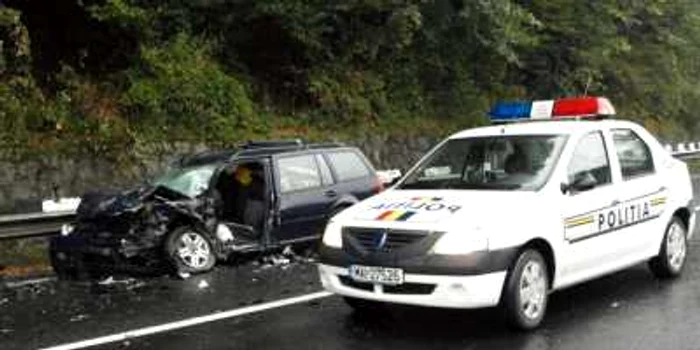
pixel 588 85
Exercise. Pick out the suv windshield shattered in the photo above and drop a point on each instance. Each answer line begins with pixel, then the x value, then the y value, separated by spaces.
pixel 190 181
pixel 522 162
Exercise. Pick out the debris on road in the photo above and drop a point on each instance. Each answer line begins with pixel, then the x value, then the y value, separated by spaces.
pixel 284 259
pixel 184 275
pixel 111 281
pixel 4 301
pixel 615 305
pixel 136 285
pixel 78 318
pixel 203 284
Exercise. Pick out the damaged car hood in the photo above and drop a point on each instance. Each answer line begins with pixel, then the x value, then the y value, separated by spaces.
pixel 144 211
pixel 95 205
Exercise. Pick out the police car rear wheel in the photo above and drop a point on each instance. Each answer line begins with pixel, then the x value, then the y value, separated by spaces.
pixel 671 259
pixel 526 291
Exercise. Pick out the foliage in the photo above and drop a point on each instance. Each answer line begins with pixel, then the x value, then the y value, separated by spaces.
pixel 128 71
pixel 178 90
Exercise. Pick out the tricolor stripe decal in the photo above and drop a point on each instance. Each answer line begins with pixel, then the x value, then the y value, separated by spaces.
pixel 395 215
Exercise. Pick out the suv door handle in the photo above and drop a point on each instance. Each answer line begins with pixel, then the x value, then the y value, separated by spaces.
pixel 331 193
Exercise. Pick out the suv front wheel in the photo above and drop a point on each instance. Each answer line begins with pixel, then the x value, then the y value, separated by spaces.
pixel 189 251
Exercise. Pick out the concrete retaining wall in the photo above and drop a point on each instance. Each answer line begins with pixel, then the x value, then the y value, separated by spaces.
pixel 24 184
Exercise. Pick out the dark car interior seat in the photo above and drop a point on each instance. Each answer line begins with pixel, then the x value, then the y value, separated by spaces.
pixel 517 162
pixel 243 198
pixel 253 206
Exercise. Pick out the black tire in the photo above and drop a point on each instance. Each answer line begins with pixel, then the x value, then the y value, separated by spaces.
pixel 520 314
pixel 66 265
pixel 666 265
pixel 190 263
pixel 63 265
pixel 364 306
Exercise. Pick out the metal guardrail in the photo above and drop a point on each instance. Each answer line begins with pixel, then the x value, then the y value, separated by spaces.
pixel 687 150
pixel 47 224
pixel 34 224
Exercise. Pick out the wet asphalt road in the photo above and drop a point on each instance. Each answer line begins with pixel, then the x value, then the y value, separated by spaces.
pixel 627 310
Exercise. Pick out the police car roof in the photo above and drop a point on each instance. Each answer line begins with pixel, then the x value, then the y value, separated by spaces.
pixel 564 127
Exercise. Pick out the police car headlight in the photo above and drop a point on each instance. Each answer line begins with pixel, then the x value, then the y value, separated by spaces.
pixel 332 236
pixel 459 243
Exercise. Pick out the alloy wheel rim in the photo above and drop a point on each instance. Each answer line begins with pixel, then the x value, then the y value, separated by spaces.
pixel 675 247
pixel 193 250
pixel 533 290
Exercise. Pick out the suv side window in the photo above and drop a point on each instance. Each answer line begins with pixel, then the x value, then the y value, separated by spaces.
pixel 348 165
pixel 298 173
pixel 633 153
pixel 590 158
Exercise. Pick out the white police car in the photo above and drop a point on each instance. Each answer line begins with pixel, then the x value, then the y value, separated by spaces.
pixel 505 214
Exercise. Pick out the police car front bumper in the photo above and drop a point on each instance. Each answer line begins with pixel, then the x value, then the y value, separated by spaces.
pixel 448 291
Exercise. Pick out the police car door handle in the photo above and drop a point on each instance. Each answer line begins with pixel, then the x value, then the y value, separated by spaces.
pixel 615 202
pixel 662 188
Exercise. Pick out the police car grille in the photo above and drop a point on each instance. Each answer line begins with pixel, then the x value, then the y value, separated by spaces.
pixel 367 238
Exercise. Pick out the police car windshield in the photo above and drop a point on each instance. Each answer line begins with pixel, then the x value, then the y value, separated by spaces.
pixel 518 162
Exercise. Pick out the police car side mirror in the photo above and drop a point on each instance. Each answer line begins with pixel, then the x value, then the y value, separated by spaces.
pixel 584 182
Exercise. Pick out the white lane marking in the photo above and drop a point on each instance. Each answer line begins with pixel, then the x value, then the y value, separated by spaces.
pixel 29 282
pixel 136 333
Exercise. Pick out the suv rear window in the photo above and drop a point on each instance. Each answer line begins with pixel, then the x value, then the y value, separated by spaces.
pixel 348 165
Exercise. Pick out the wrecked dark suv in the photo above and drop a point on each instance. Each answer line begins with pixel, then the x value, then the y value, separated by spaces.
pixel 261 196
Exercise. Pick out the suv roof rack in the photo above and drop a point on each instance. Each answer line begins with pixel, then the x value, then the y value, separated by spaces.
pixel 287 145
pixel 326 145
pixel 274 144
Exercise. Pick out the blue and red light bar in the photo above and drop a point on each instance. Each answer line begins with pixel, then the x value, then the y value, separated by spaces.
pixel 565 108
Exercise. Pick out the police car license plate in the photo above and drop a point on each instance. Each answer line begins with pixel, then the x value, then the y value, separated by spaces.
pixel 375 274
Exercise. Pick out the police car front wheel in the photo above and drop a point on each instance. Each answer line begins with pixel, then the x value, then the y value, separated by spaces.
pixel 672 253
pixel 526 291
